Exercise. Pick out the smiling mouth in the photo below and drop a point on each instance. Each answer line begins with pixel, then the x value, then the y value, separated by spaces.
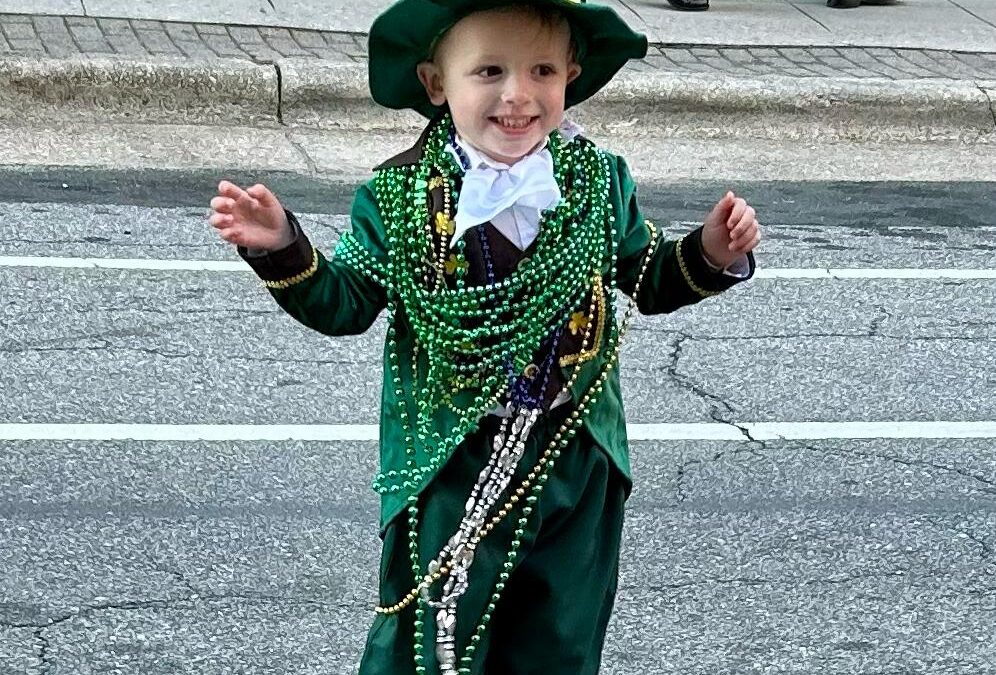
pixel 514 123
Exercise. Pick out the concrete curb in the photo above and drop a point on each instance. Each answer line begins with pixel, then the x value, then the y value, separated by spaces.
pixel 797 108
pixel 175 90
pixel 310 93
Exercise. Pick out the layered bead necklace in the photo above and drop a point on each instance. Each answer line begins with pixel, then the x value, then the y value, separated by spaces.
pixel 472 335
pixel 484 335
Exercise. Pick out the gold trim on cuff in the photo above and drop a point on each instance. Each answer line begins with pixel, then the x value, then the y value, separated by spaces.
pixel 688 277
pixel 297 278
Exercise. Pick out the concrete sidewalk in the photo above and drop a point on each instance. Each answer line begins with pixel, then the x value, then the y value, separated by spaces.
pixel 190 70
pixel 962 25
pixel 70 36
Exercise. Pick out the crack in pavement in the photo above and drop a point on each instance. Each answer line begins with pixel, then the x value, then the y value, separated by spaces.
pixel 140 307
pixel 154 351
pixel 43 647
pixel 178 575
pixel 986 549
pixel 255 598
pixel 720 411
pixel 876 323
pixel 97 348
pixel 308 160
pixel 687 383
pixel 760 581
pixel 110 243
pixel 792 336
pixel 992 107
pixel 137 332
pixel 193 595
pixel 990 485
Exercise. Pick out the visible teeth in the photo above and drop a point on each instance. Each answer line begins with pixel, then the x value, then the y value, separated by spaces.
pixel 514 122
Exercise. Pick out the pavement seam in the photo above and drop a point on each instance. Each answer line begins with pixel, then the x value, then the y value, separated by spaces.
pixel 811 17
pixel 280 94
pixel 968 11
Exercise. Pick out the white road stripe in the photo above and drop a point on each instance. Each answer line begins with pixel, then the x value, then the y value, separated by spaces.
pixel 874 273
pixel 125 264
pixel 368 432
pixel 239 266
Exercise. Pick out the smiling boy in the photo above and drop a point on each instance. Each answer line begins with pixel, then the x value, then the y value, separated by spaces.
pixel 496 244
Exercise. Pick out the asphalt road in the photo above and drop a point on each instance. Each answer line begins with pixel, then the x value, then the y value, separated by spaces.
pixel 828 555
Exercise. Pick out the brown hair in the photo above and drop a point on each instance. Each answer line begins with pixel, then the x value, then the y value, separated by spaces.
pixel 551 19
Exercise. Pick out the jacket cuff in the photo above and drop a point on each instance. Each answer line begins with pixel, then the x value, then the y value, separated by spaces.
pixel 283 265
pixel 703 281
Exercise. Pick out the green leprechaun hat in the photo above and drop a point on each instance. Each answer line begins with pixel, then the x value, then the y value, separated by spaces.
pixel 404 35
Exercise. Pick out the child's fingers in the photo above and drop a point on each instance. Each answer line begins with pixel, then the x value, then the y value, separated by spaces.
pixel 263 195
pixel 749 242
pixel 246 201
pixel 221 220
pixel 750 245
pixel 746 220
pixel 739 206
pixel 230 190
pixel 722 208
pixel 233 235
pixel 223 204
pixel 745 234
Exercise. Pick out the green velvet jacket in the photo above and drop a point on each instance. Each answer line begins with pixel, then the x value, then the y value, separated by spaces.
pixel 334 298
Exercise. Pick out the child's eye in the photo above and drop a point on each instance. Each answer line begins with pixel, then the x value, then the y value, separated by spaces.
pixel 489 71
pixel 545 70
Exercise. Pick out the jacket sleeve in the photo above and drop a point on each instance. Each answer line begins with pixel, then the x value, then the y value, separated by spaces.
pixel 676 271
pixel 341 295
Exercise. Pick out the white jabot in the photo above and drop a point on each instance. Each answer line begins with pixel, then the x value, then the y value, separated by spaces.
pixel 524 189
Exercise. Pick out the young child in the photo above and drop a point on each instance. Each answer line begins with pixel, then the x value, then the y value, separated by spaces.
pixel 496 245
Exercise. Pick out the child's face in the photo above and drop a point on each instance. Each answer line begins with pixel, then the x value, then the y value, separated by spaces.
pixel 504 75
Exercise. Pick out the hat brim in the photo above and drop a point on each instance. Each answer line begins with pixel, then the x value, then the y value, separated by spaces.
pixel 404 35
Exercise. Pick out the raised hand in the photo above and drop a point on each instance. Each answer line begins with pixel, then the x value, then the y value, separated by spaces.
pixel 252 218
pixel 730 231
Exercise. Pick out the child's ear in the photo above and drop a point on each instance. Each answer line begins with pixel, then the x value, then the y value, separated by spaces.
pixel 573 70
pixel 431 78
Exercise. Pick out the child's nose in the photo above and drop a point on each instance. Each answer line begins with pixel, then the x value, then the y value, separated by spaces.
pixel 516 90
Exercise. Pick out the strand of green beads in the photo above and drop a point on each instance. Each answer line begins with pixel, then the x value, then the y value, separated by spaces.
pixel 418 636
pixel 391 192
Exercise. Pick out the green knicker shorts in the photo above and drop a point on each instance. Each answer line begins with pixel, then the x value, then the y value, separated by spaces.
pixel 552 616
